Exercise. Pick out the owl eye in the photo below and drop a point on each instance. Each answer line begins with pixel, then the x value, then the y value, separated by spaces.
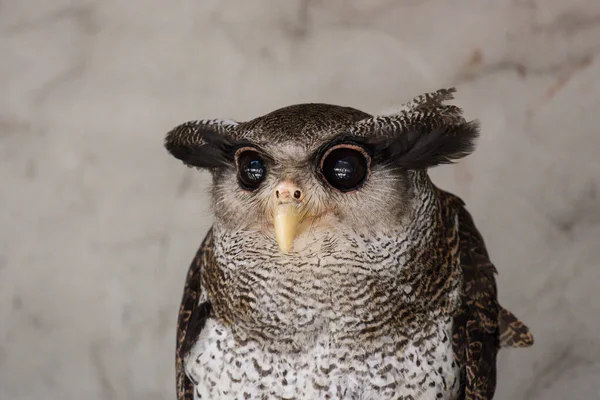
pixel 251 169
pixel 345 168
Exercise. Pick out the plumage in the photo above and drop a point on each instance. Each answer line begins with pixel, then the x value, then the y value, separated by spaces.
pixel 388 291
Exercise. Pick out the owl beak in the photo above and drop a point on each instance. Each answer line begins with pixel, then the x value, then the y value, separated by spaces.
pixel 286 220
pixel 287 214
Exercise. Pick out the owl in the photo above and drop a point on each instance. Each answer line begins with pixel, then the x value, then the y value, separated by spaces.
pixel 335 268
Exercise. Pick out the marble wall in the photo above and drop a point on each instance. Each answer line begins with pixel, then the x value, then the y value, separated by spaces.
pixel 98 224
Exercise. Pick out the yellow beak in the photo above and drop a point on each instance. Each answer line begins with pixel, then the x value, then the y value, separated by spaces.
pixel 287 217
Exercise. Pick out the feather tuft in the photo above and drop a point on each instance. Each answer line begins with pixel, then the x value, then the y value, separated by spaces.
pixel 425 147
pixel 201 144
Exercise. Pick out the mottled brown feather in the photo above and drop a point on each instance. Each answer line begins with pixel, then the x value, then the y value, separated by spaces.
pixel 480 322
pixel 192 316
pixel 513 332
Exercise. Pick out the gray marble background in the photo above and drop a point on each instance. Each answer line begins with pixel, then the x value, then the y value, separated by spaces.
pixel 98 224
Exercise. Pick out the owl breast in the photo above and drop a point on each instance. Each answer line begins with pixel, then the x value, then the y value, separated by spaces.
pixel 224 368
pixel 339 318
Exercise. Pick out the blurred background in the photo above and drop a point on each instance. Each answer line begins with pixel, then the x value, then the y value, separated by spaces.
pixel 98 224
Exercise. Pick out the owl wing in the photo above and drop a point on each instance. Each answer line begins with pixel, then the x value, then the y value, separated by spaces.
pixel 481 325
pixel 192 316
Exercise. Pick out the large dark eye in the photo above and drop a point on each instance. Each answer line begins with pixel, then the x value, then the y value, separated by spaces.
pixel 345 168
pixel 251 169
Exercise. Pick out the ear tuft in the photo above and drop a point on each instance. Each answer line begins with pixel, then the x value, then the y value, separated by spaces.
pixel 426 146
pixel 202 143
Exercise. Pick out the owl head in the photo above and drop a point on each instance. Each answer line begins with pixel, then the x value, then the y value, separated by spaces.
pixel 312 167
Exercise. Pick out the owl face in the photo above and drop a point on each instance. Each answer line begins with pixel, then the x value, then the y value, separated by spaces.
pixel 289 188
pixel 311 168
